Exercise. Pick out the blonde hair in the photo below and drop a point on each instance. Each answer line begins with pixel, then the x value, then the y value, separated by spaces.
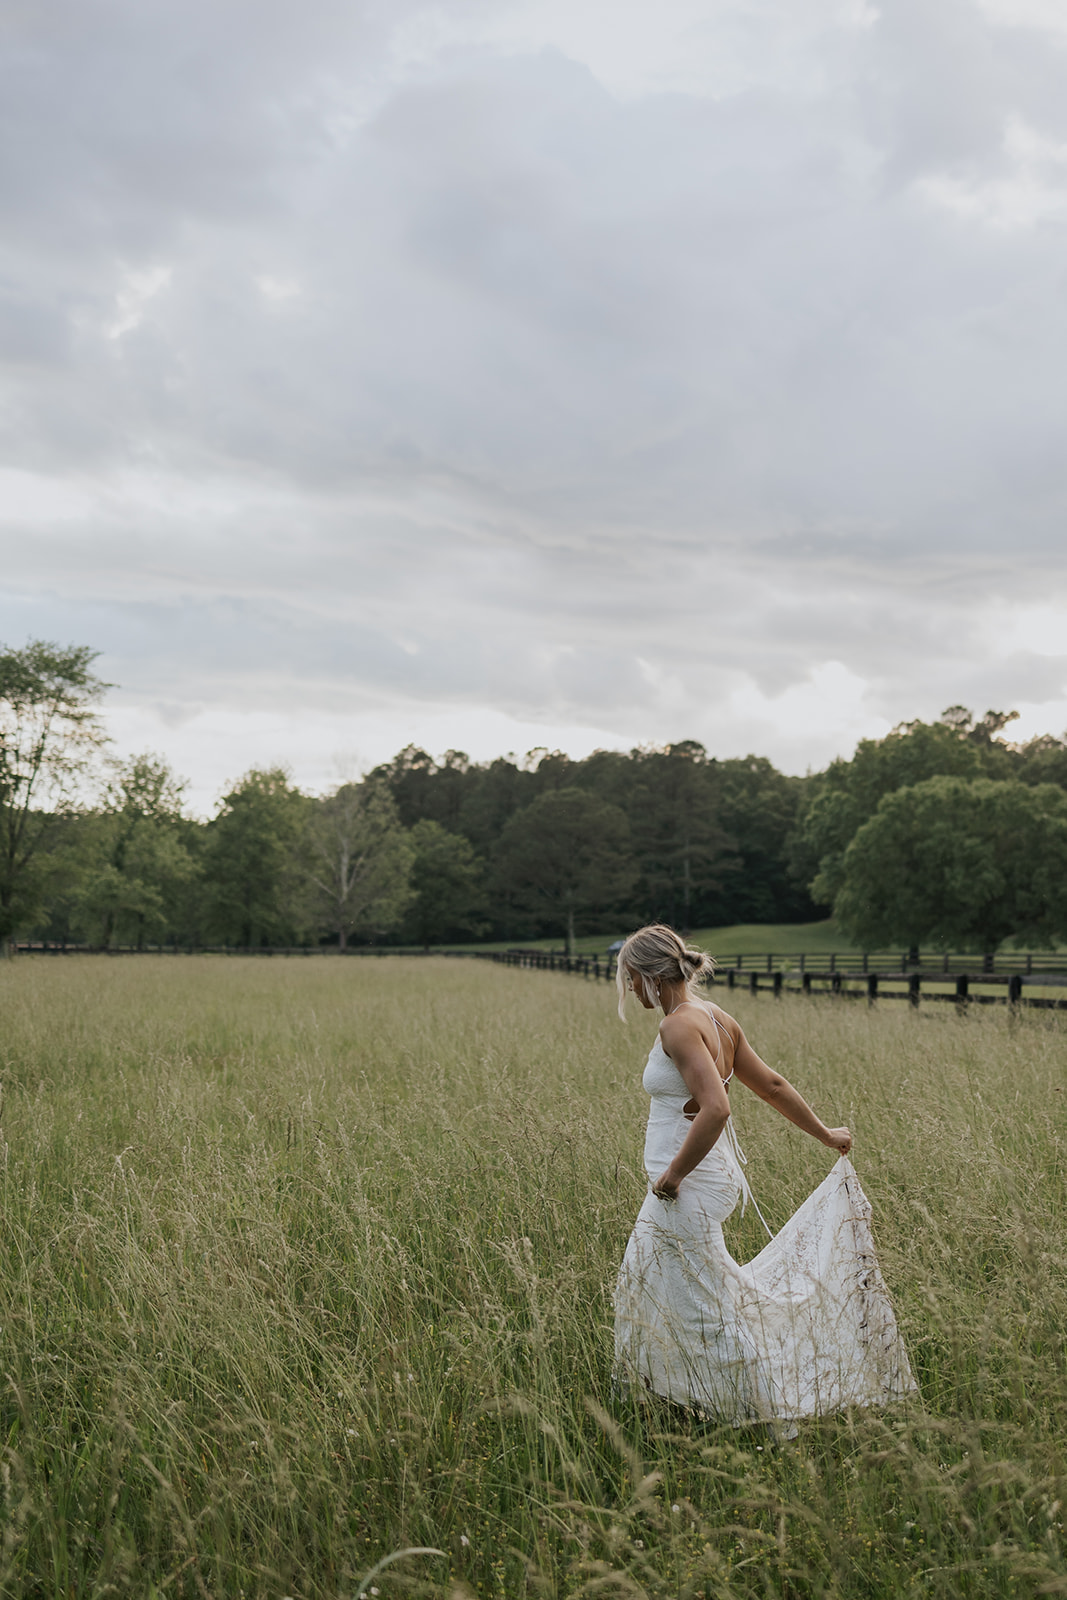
pixel 660 955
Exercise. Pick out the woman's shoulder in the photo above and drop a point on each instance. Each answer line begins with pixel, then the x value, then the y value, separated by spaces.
pixel 725 1020
pixel 699 1014
pixel 687 1013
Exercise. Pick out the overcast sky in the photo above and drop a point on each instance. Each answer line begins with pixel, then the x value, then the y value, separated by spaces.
pixel 535 372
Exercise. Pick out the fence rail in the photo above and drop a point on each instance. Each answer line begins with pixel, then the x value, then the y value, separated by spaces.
pixel 880 975
pixel 1025 962
pixel 963 990
pixel 1051 966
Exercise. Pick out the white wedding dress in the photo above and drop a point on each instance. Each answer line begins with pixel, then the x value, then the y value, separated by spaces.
pixel 804 1329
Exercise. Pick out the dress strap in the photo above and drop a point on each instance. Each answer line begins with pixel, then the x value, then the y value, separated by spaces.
pixel 726 1031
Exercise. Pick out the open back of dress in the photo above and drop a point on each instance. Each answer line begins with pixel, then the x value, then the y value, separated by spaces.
pixel 803 1329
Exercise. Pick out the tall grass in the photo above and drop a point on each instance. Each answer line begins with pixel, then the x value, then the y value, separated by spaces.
pixel 305 1264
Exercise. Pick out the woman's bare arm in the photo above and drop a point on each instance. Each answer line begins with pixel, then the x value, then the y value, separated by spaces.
pixel 684 1043
pixel 779 1093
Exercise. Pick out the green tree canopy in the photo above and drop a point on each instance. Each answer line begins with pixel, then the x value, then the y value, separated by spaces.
pixel 138 858
pixel 1044 760
pixel 958 862
pixel 448 884
pixel 359 861
pixel 566 855
pixel 758 808
pixel 253 867
pixel 679 844
pixel 849 792
pixel 49 733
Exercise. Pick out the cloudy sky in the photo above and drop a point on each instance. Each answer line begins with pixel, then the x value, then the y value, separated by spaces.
pixel 504 373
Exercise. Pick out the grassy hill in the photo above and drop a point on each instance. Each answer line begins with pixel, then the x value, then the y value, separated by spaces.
pixel 744 938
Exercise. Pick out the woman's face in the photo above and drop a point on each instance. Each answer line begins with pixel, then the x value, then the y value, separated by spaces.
pixel 642 989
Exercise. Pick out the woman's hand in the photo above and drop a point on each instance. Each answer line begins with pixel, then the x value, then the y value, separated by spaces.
pixel 839 1139
pixel 665 1187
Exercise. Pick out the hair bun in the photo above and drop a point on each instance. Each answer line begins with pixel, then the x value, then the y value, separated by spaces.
pixel 695 962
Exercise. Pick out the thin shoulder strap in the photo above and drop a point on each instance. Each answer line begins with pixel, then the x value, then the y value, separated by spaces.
pixel 725 1031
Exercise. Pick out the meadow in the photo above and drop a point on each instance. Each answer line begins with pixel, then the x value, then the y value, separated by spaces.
pixel 745 938
pixel 308 1263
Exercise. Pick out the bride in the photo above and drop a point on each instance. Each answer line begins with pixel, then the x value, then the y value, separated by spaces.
pixel 805 1328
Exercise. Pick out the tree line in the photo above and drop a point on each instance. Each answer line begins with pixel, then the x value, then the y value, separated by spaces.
pixel 942 832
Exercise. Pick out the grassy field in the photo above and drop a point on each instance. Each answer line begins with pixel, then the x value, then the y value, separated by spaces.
pixel 783 938
pixel 307 1263
pixel 742 938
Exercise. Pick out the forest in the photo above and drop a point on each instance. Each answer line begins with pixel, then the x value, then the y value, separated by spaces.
pixel 943 832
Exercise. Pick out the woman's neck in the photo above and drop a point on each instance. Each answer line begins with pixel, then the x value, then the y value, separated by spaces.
pixel 671 996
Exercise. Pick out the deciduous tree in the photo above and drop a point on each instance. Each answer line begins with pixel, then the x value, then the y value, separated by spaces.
pixel 359 861
pixel 849 792
pixel 49 734
pixel 758 808
pixel 141 860
pixel 953 862
pixel 679 844
pixel 253 868
pixel 563 857
pixel 448 885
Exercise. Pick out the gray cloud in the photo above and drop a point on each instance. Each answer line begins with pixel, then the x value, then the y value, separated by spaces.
pixel 357 359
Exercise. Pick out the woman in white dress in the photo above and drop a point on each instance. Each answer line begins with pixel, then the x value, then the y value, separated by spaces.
pixel 805 1328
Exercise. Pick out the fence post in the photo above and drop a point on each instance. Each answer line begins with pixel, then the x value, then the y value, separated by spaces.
pixel 729 977
pixel 1015 989
pixel 805 984
pixel 835 983
pixel 872 987
pixel 913 989
pixel 753 983
pixel 963 984
pixel 777 985
pixel 803 958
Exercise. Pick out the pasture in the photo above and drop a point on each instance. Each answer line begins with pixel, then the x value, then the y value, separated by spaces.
pixel 304 1263
pixel 749 938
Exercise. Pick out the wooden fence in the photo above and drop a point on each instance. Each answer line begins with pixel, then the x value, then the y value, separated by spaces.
pixel 1003 962
pixel 858 980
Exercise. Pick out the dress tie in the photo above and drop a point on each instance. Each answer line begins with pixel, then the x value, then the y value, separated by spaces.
pixel 730 1135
